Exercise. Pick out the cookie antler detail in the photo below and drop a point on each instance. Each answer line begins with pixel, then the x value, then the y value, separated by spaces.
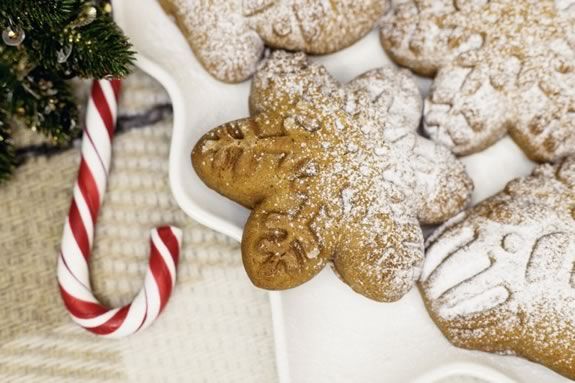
pixel 333 173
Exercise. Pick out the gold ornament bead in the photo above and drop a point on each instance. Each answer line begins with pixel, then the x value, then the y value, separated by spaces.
pixel 87 15
pixel 13 36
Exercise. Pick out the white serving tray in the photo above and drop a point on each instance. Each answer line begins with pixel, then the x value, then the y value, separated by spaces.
pixel 324 332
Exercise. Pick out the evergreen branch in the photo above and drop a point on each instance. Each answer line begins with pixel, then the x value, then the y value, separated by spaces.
pixel 53 40
pixel 44 102
pixel 98 49
pixel 101 50
pixel 7 157
pixel 43 14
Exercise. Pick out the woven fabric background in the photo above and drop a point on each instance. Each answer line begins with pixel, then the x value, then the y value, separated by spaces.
pixel 216 328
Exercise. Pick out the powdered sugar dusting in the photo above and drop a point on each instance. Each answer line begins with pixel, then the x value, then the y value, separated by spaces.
pixel 373 177
pixel 518 248
pixel 503 65
pixel 228 35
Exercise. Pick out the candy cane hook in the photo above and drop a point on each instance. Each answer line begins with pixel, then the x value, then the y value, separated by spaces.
pixel 78 237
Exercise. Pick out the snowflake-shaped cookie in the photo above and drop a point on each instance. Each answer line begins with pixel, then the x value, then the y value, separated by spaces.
pixel 333 173
pixel 228 36
pixel 501 277
pixel 502 66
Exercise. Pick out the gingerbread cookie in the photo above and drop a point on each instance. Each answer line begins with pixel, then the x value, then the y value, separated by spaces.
pixel 228 36
pixel 501 277
pixel 502 66
pixel 333 173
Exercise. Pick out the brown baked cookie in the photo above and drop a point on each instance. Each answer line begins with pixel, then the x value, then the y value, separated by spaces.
pixel 500 278
pixel 228 36
pixel 501 66
pixel 333 173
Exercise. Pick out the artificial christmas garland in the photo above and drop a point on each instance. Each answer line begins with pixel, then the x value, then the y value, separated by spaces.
pixel 44 44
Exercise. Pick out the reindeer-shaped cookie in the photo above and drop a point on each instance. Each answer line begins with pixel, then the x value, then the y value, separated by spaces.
pixel 333 173
pixel 501 277
pixel 228 36
pixel 502 66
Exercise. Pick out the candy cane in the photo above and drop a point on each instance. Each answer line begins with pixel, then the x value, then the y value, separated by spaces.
pixel 78 237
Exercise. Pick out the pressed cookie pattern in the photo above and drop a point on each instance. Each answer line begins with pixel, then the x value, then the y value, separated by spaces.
pixel 502 66
pixel 334 174
pixel 228 36
pixel 501 277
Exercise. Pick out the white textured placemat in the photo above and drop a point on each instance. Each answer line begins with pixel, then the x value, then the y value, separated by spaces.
pixel 216 328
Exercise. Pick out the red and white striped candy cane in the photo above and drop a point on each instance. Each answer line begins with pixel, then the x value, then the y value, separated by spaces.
pixel 78 237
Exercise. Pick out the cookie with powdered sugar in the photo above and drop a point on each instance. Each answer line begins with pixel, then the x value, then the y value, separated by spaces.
pixel 501 66
pixel 228 36
pixel 501 277
pixel 333 174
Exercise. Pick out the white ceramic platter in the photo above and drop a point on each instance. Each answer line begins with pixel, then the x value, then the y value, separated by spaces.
pixel 323 331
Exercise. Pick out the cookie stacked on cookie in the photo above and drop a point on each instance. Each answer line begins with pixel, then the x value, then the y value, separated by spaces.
pixel 337 173
pixel 500 277
pixel 334 174
pixel 501 66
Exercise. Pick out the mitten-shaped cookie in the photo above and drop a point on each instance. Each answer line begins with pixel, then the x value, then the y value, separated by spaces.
pixel 500 277
pixel 502 66
pixel 333 174
pixel 228 36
